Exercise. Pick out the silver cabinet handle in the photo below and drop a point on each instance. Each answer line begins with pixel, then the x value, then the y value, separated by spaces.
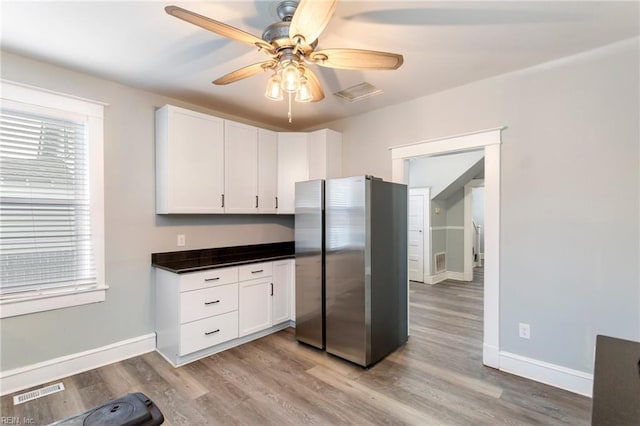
pixel 256 201
pixel 207 333
pixel 211 303
pixel 212 279
pixel 258 271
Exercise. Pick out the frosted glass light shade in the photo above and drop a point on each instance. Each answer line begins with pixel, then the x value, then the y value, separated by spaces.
pixel 304 91
pixel 290 78
pixel 274 91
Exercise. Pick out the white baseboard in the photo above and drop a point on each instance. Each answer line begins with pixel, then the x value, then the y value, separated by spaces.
pixel 554 375
pixel 194 356
pixel 446 275
pixel 435 279
pixel 490 356
pixel 57 368
pixel 457 276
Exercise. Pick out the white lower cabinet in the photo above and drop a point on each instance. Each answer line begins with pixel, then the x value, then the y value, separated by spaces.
pixel 283 276
pixel 255 305
pixel 195 310
pixel 265 301
pixel 200 313
pixel 208 332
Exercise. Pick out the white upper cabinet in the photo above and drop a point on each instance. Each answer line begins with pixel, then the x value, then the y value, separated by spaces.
pixel 205 164
pixel 267 171
pixel 325 154
pixel 241 168
pixel 292 167
pixel 189 161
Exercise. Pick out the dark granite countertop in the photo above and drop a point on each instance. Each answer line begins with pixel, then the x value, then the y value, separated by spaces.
pixel 200 260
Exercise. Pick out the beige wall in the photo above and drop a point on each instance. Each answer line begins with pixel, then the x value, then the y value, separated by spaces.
pixel 133 230
pixel 569 191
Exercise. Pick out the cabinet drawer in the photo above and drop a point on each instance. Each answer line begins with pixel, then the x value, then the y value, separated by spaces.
pixel 208 332
pixel 208 278
pixel 208 302
pixel 255 270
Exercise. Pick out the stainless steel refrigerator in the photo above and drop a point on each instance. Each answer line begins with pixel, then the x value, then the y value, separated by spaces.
pixel 365 267
pixel 309 249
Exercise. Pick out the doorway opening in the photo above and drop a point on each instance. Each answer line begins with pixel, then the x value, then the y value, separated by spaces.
pixel 441 244
pixel 489 142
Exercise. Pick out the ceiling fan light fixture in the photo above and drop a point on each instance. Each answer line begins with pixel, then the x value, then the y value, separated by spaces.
pixel 274 91
pixel 290 77
pixel 304 91
pixel 291 45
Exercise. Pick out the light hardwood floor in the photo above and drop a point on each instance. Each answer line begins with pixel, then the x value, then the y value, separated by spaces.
pixel 437 378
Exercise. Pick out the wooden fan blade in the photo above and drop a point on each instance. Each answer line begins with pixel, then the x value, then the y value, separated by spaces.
pixel 314 85
pixel 355 59
pixel 310 18
pixel 245 72
pixel 217 27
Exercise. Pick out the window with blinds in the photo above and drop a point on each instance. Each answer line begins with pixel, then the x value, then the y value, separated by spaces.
pixel 45 214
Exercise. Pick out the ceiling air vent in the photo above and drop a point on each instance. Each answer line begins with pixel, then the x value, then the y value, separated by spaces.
pixel 358 92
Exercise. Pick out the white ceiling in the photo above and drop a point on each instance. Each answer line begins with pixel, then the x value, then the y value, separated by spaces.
pixel 445 44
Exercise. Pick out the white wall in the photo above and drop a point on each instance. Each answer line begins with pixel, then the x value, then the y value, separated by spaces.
pixel 133 230
pixel 569 192
pixel 439 172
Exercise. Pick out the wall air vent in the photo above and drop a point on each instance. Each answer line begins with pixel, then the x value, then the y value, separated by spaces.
pixel 440 262
pixel 358 92
pixel 37 393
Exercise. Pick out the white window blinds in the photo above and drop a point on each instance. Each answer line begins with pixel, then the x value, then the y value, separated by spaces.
pixel 45 215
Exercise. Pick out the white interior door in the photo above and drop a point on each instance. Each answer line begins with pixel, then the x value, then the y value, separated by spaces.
pixel 416 236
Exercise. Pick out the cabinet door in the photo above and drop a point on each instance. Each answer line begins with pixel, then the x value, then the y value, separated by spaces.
pixel 254 305
pixel 267 171
pixel 241 168
pixel 292 167
pixel 189 161
pixel 282 283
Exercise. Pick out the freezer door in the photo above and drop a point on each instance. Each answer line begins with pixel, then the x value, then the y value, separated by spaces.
pixel 309 246
pixel 346 223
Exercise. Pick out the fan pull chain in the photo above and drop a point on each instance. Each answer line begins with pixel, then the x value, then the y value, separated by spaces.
pixel 289 114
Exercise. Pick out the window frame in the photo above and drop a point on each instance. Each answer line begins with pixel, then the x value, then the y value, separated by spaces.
pixel 21 97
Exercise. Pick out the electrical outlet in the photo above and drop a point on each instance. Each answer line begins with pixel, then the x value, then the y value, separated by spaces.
pixel 181 240
pixel 524 330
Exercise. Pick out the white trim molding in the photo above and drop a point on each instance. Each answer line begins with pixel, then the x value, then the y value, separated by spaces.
pixel 36 374
pixel 447 228
pixel 490 141
pixel 468 227
pixel 550 374
pixel 435 279
pixel 448 144
pixel 31 99
pixel 456 276
pixel 45 301
pixel 446 275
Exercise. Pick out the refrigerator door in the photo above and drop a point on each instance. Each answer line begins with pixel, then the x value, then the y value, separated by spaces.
pixel 309 247
pixel 346 242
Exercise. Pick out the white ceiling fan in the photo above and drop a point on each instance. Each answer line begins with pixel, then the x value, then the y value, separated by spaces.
pixel 290 45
